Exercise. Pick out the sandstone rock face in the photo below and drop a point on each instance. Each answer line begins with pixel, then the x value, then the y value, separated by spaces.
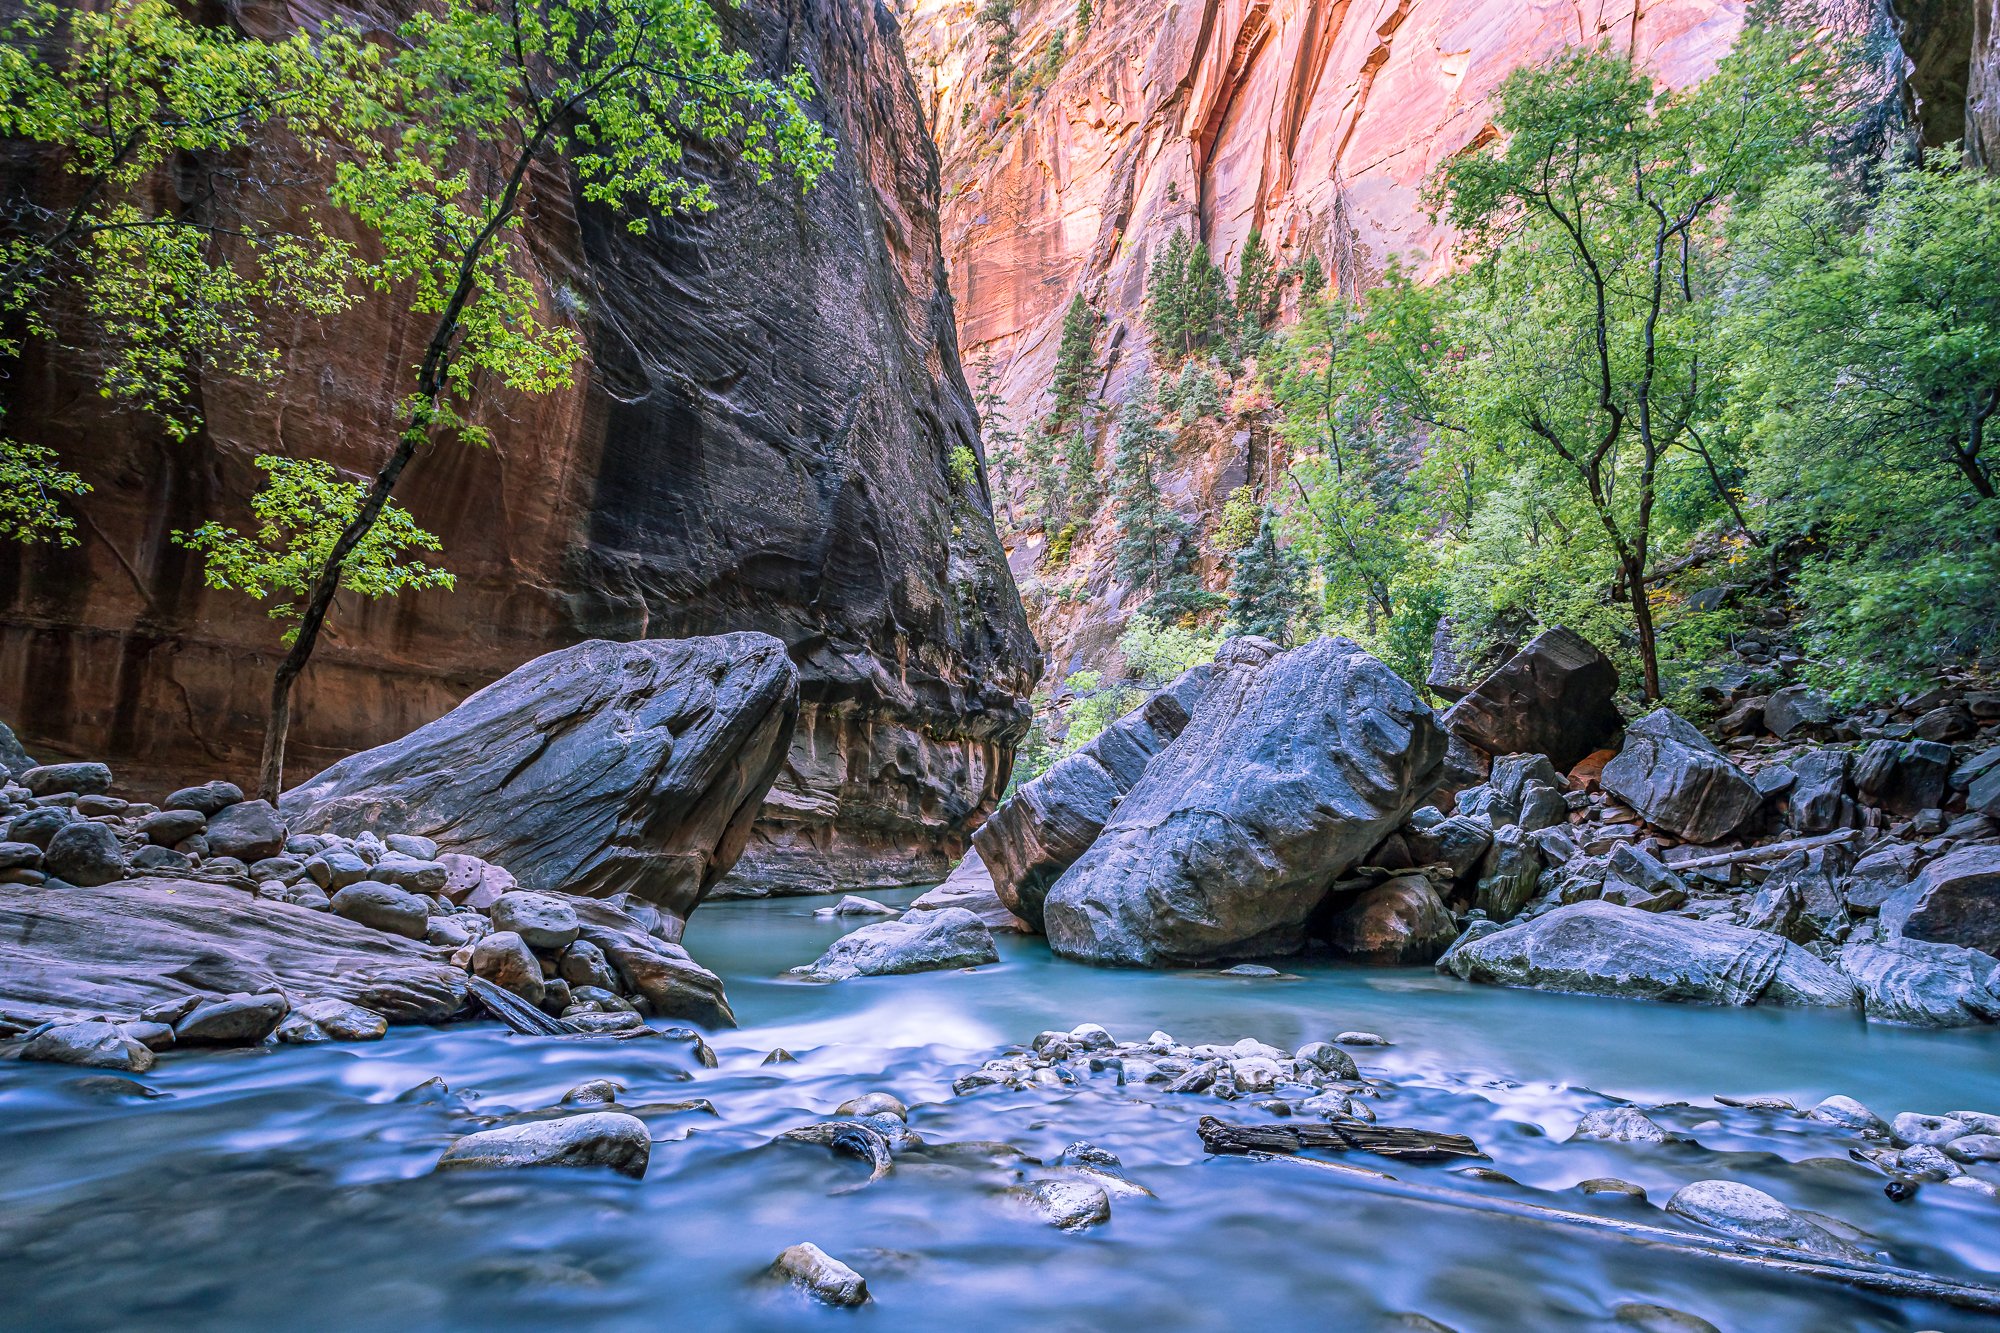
pixel 1292 769
pixel 1597 948
pixel 594 770
pixel 1402 921
pixel 970 886
pixel 127 946
pixel 1042 829
pixel 760 440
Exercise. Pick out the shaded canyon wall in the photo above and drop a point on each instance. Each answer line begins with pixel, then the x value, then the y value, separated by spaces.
pixel 759 441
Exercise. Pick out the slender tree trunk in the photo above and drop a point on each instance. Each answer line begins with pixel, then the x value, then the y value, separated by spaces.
pixel 1642 619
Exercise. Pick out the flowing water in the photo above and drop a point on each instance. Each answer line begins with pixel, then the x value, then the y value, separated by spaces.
pixel 290 1187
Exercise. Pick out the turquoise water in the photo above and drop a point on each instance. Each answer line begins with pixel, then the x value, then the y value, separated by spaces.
pixel 288 1187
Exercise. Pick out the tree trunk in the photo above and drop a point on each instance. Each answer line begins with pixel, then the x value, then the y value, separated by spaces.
pixel 1642 620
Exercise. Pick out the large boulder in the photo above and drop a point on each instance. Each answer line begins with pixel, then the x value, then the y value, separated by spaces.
pixel 1678 781
pixel 1903 777
pixel 1293 768
pixel 1040 831
pixel 970 886
pixel 86 853
pixel 1402 921
pixel 14 760
pixel 594 770
pixel 247 830
pixel 1598 948
pixel 1955 900
pixel 125 947
pixel 1554 697
pixel 657 970
pixel 920 942
pixel 1931 985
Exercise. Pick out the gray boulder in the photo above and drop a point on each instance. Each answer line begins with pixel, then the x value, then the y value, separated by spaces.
pixel 1293 768
pixel 1903 777
pixel 167 827
pixel 210 798
pixel 597 769
pixel 1797 709
pixel 1041 830
pixel 1508 875
pixel 20 856
pixel 1402 921
pixel 1459 842
pixel 1552 698
pixel 247 830
pixel 1597 948
pixel 1929 985
pixel 39 826
pixel 331 1020
pixel 14 760
pixel 1620 1124
pixel 660 972
pixel 544 920
pixel 85 853
pixel 1818 799
pixel 233 1020
pixel 141 942
pixel 93 1044
pixel 505 959
pixel 1678 781
pixel 54 779
pixel 820 1275
pixel 1739 1210
pixel 597 1138
pixel 921 942
pixel 1877 876
pixel 384 907
pixel 415 874
pixel 970 886
pixel 1955 900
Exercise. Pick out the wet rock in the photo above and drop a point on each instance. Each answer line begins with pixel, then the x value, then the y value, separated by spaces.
pixel 246 830
pixel 595 769
pixel 1552 698
pixel 1678 781
pixel 1259 971
pixel 210 798
pixel 1596 948
pixel 1041 830
pixel 598 1138
pixel 855 905
pixel 1738 1210
pixel 234 1020
pixel 1849 1114
pixel 1402 921
pixel 94 1045
pixel 820 1275
pixel 1930 985
pixel 924 943
pixel 85 854
pixel 1929 1131
pixel 1974 1148
pixel 383 907
pixel 1071 1205
pixel 1292 769
pixel 505 959
pixel 1361 1039
pixel 542 919
pixel 670 982
pixel 331 1020
pixel 1620 1124
pixel 970 886
pixel 1954 900
pixel 54 779
pixel 1328 1059
pixel 1649 1318
pixel 1611 1185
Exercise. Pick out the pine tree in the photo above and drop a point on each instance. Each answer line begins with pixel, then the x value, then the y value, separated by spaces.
pixel 1079 467
pixel 1208 308
pixel 997 16
pixel 1075 363
pixel 1312 279
pixel 1256 295
pixel 1187 298
pixel 1003 443
pixel 1154 551
pixel 1084 14
pixel 1267 589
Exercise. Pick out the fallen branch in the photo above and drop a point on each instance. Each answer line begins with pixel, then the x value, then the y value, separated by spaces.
pixel 1417 1145
pixel 516 1012
pixel 1766 851
pixel 1882 1278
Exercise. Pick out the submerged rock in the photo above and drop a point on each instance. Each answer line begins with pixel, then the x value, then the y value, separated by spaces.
pixel 926 942
pixel 1293 768
pixel 1596 948
pixel 820 1275
pixel 1071 1205
pixel 591 770
pixel 1739 1210
pixel 598 1138
pixel 1620 1124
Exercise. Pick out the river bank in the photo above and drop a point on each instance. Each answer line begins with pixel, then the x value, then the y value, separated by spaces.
pixel 277 1179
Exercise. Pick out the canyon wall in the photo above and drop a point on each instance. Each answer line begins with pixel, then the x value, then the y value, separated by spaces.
pixel 760 441
pixel 1315 121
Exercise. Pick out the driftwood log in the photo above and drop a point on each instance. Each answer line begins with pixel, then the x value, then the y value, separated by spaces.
pixel 1766 852
pixel 1883 1279
pixel 516 1012
pixel 1416 1145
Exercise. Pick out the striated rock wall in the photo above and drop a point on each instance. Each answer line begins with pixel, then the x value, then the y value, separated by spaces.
pixel 760 441
pixel 1315 121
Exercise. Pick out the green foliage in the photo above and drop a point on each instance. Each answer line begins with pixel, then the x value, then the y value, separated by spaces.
pixel 301 511
pixel 1154 550
pixel 1076 365
pixel 1085 13
pixel 1267 590
pixel 997 18
pixel 1156 651
pixel 1257 293
pixel 1242 514
pixel 1093 705
pixel 963 468
pixel 30 481
pixel 1193 394
pixel 1187 300
pixel 1312 279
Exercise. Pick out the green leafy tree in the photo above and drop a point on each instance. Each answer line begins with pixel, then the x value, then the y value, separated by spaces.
pixel 166 287
pixel 1156 651
pixel 1267 589
pixel 996 432
pixel 1085 13
pixel 1154 549
pixel 607 91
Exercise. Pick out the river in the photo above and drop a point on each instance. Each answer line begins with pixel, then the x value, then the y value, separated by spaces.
pixel 288 1187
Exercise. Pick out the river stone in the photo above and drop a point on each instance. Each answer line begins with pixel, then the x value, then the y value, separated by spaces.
pixel 1849 1114
pixel 596 769
pixel 596 1138
pixel 970 886
pixel 410 873
pixel 1926 1131
pixel 85 854
pixel 584 964
pixel 1328 1059
pixel 13 759
pixel 670 982
pixel 233 1020
pixel 820 1275
pixel 1552 698
pixel 1678 781
pixel 1292 769
pixel 247 830
pixel 1402 921
pixel 331 1020
pixel 20 856
pixel 919 943
pixel 1918 982
pixel 1040 831
pixel 210 798
pixel 1818 800
pixel 855 905
pixel 1071 1205
pixel 95 1044
pixel 84 779
pixel 1620 1124
pixel 384 907
pixel 39 826
pixel 542 919
pixel 1738 1210
pixel 335 869
pixel 412 845
pixel 167 827
pixel 1597 948
pixel 1975 1148
pixel 873 1104
pixel 505 959
pixel 1955 900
